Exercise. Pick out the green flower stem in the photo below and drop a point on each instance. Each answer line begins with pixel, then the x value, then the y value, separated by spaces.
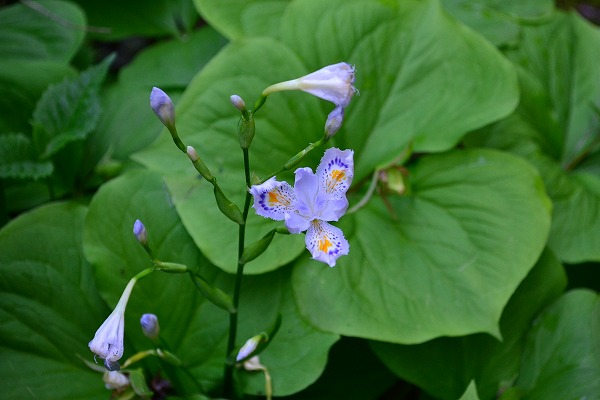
pixel 233 317
pixel 259 103
pixel 292 162
pixel 145 272
pixel 176 139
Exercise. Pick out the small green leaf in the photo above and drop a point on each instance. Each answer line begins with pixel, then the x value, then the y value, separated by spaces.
pixel 562 356
pixel 17 158
pixel 68 111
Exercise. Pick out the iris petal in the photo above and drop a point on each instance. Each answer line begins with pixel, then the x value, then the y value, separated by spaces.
pixel 273 199
pixel 335 172
pixel 325 242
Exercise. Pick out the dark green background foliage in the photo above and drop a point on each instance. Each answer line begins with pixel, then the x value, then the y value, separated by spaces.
pixel 477 281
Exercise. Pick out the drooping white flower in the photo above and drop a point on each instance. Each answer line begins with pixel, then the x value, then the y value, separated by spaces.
pixel 315 200
pixel 332 83
pixel 108 340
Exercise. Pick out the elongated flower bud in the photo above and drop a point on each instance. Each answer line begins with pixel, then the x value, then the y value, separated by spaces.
pixel 334 122
pixel 163 107
pixel 139 230
pixel 238 102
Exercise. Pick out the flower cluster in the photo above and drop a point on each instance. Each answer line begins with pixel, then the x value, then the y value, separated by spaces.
pixel 315 200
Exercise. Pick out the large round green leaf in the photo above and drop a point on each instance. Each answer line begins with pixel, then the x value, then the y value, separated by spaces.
pixel 50 307
pixel 444 366
pixel 195 329
pixel 441 262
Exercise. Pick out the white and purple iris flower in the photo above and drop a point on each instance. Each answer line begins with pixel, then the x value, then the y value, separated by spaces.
pixel 313 202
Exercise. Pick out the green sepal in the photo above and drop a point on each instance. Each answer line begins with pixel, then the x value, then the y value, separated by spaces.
pixel 170 267
pixel 257 248
pixel 168 357
pixel 213 294
pixel 229 209
pixel 138 383
pixel 246 130
pixel 203 169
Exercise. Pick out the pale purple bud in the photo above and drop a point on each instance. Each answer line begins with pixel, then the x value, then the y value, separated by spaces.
pixel 334 121
pixel 163 107
pixel 139 230
pixel 248 347
pixel 238 102
pixel 150 326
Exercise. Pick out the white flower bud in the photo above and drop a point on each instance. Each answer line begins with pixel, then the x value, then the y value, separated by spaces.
pixel 192 153
pixel 114 380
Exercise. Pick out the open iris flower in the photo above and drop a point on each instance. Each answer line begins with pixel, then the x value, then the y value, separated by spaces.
pixel 315 200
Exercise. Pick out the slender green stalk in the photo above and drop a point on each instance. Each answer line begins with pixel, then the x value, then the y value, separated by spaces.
pixel 233 317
